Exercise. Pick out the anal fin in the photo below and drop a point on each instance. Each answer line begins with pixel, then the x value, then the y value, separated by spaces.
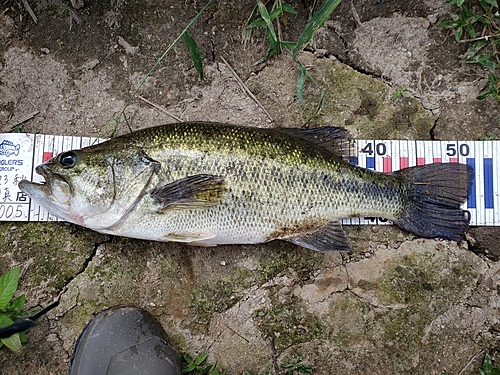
pixel 330 237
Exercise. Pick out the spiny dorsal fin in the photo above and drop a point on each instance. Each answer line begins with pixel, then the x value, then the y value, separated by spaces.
pixel 198 191
pixel 336 140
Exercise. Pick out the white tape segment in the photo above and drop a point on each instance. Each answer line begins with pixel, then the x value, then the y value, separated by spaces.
pixel 21 153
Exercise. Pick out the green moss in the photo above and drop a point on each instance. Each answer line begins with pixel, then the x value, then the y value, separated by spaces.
pixel 289 324
pixel 424 277
pixel 284 258
pixel 409 116
pixel 218 296
pixel 349 321
pixel 78 317
pixel 401 332
pixel 57 250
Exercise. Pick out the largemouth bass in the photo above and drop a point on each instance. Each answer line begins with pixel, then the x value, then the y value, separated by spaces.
pixel 209 184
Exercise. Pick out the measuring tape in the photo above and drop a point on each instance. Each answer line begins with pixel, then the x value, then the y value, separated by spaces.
pixel 21 153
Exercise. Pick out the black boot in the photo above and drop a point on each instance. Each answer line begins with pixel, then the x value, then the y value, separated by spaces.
pixel 124 340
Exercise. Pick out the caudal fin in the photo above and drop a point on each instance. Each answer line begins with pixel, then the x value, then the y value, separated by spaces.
pixel 437 191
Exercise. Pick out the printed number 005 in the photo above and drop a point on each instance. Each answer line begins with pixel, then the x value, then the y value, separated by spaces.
pixel 7 211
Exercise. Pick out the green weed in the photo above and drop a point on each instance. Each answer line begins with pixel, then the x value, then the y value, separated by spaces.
pixel 194 366
pixel 9 310
pixel 258 313
pixel 195 56
pixel 315 22
pixel 488 137
pixel 295 365
pixel 272 20
pixel 279 14
pixel 493 88
pixel 19 129
pixel 478 22
pixel 487 368
pixel 402 91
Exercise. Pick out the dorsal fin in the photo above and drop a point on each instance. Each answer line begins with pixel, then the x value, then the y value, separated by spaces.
pixel 338 141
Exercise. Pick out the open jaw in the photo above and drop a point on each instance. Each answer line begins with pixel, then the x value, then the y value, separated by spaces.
pixel 54 188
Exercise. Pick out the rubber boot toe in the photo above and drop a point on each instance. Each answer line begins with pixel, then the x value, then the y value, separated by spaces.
pixel 124 340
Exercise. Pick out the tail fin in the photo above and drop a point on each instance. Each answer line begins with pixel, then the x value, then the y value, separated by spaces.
pixel 437 190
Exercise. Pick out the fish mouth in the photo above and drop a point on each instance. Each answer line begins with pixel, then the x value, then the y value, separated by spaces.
pixel 55 186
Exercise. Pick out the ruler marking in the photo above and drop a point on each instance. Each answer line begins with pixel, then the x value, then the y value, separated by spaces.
pixel 420 152
pixel 403 155
pixel 489 195
pixel 496 182
pixel 412 154
pixel 471 200
pixel 488 182
pixel 478 156
pixel 437 156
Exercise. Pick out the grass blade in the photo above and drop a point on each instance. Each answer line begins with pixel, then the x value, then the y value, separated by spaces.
pixel 316 21
pixel 301 80
pixel 195 53
pixel 288 8
pixel 118 117
pixel 318 107
pixel 320 103
pixel 273 40
pixel 259 22
pixel 288 45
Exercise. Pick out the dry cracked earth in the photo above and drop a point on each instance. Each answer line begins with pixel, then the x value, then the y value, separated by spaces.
pixel 394 304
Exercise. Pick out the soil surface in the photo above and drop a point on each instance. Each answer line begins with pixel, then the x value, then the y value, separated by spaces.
pixel 394 304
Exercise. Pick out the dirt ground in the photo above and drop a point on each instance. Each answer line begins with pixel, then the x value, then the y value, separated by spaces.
pixel 394 304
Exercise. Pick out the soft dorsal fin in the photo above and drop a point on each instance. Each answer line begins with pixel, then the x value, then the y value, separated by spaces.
pixel 336 140
pixel 330 237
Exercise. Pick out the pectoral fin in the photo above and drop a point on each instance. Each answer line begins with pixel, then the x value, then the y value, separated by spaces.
pixel 330 237
pixel 199 191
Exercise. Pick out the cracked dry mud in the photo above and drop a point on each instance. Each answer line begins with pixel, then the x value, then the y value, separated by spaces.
pixel 394 304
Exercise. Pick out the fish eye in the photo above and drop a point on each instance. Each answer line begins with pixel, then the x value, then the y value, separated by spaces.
pixel 67 159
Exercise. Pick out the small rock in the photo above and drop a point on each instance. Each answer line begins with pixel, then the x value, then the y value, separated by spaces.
pixel 425 22
pixel 52 337
pixel 129 49
pixel 77 4
pixel 432 18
